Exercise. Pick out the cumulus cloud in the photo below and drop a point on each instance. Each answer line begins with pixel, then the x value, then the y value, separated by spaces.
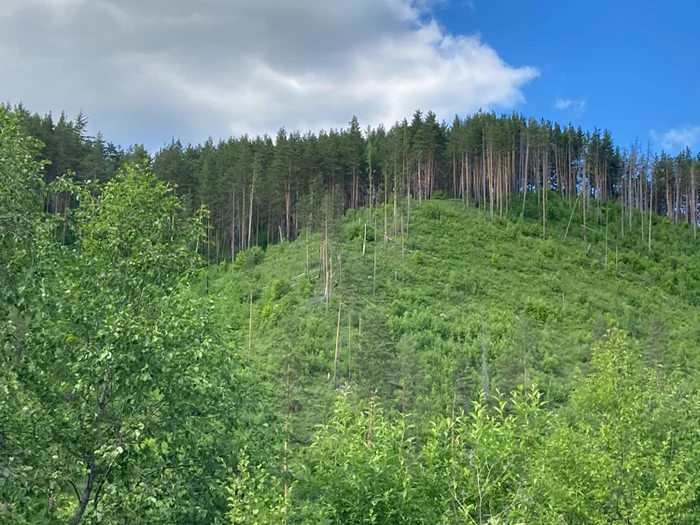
pixel 576 107
pixel 676 139
pixel 149 69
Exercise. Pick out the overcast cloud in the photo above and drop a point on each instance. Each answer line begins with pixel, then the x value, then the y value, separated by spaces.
pixel 147 70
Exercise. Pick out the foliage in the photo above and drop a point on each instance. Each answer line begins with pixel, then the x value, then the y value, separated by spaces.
pixel 254 496
pixel 120 399
pixel 23 235
pixel 624 451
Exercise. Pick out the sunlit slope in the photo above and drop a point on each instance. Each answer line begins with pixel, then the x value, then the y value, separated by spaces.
pixel 457 303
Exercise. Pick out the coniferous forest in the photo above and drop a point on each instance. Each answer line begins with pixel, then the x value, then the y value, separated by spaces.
pixel 493 321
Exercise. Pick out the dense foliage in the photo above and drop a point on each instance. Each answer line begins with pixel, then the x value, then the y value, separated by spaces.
pixel 118 398
pixel 625 450
pixel 498 357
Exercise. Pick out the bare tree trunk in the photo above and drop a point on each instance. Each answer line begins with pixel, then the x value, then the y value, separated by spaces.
pixel 545 184
pixel 385 214
pixel 66 211
pixel 233 226
pixel 420 184
pixel 371 184
pixel 288 208
pixel 490 164
pixel 466 179
pixel 693 201
pixel 606 236
pixel 527 161
pixel 641 200
pixel 454 174
pixel 633 159
pixel 669 204
pixel 395 195
pixel 566 234
pixel 408 215
pixel 243 224
pixel 374 272
pixel 402 244
pixel 337 347
pixel 250 213
pixel 257 226
pixel 651 207
pixel 483 169
pixel 92 467
pixel 364 241
pixel 327 267
pixel 584 192
pixel 622 210
pixel 484 360
pixel 677 215
pixel 250 314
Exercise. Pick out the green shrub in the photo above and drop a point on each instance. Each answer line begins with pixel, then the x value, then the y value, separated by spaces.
pixel 538 310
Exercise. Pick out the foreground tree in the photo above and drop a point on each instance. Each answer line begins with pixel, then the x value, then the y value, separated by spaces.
pixel 625 450
pixel 127 399
pixel 24 236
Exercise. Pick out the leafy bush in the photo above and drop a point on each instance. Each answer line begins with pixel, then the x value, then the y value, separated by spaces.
pixel 538 310
pixel 249 258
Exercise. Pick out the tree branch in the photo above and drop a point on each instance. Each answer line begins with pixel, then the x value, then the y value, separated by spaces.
pixel 77 494
pixel 97 492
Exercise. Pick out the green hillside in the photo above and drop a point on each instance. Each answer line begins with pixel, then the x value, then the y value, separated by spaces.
pixel 460 301
pixel 436 324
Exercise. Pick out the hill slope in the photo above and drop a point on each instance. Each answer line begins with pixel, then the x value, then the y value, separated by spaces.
pixel 457 304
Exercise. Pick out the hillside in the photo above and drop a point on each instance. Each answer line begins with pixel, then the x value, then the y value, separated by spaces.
pixel 428 361
pixel 459 304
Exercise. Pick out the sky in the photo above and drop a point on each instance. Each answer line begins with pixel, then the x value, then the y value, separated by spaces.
pixel 148 71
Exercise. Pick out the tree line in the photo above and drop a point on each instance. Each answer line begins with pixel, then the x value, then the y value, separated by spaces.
pixel 261 190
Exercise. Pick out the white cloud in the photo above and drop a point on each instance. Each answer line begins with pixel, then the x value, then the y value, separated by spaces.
pixel 576 107
pixel 149 69
pixel 676 139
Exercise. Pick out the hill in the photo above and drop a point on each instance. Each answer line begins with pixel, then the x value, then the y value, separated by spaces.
pixel 459 303
pixel 423 335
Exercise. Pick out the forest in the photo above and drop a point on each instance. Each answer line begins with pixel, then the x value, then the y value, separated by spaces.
pixel 493 321
pixel 262 190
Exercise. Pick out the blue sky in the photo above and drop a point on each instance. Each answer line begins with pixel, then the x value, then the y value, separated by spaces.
pixel 633 63
pixel 145 71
